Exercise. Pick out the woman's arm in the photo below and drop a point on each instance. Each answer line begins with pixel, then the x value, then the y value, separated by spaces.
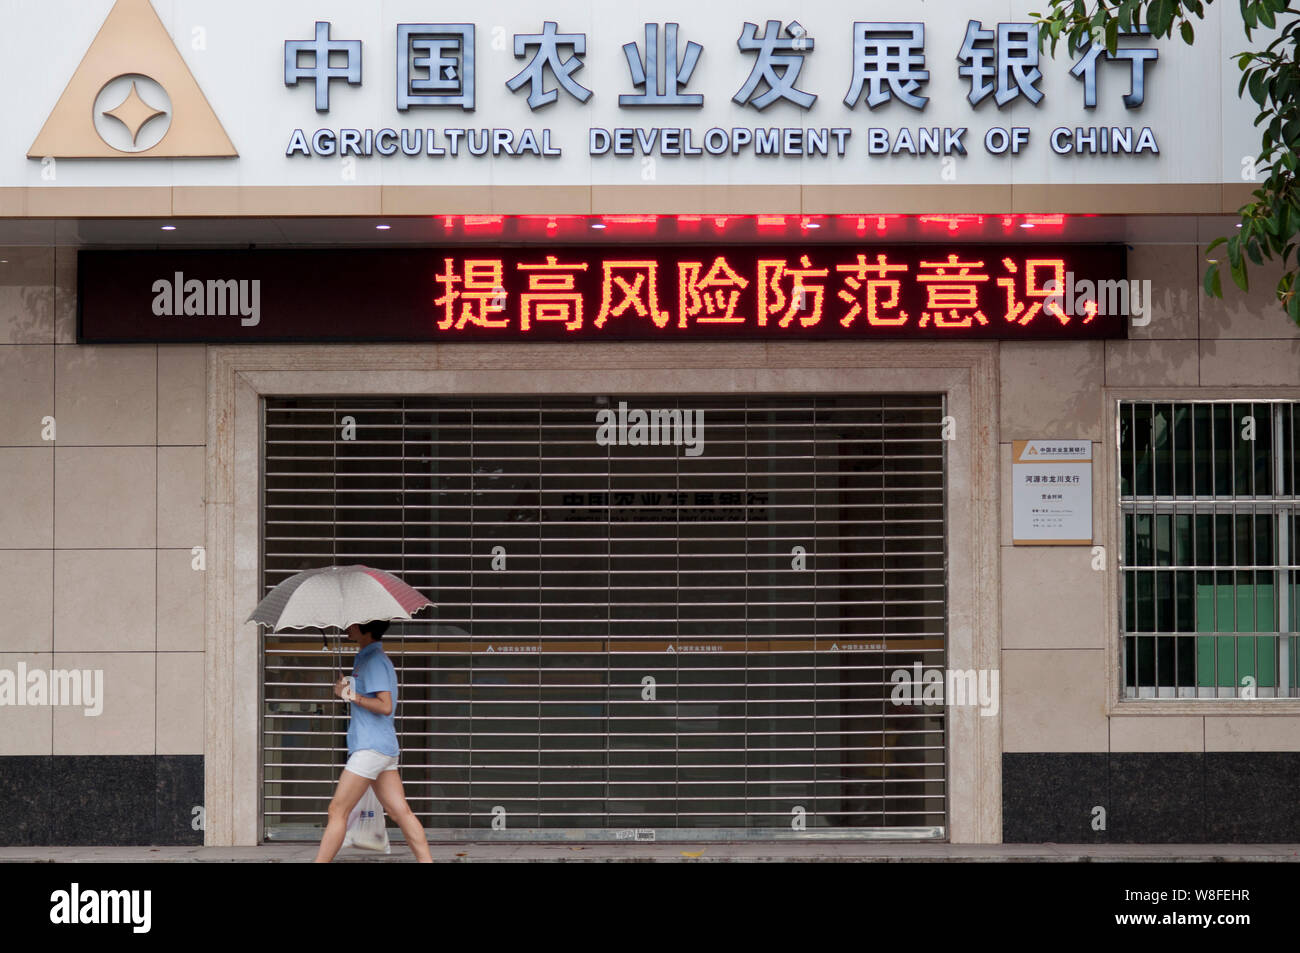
pixel 381 704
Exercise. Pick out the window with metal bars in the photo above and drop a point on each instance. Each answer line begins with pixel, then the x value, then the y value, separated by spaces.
pixel 627 637
pixel 1210 569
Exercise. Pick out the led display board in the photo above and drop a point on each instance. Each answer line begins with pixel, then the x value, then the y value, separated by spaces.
pixel 867 291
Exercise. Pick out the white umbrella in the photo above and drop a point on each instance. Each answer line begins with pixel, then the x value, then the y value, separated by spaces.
pixel 338 596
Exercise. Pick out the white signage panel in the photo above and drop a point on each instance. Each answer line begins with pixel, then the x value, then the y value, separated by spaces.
pixel 1051 493
pixel 576 92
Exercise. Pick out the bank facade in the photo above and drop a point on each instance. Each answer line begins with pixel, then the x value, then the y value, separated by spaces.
pixel 805 428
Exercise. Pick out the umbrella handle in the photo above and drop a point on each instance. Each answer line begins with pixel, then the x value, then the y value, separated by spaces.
pixel 338 661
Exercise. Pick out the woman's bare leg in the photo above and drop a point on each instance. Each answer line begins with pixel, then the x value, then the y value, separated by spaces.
pixel 350 790
pixel 388 788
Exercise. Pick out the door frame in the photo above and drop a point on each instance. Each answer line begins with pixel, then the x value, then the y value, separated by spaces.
pixel 239 376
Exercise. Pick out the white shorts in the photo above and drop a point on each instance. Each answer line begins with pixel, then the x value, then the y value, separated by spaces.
pixel 370 763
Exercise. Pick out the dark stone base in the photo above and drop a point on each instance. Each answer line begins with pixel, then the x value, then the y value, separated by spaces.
pixel 1149 798
pixel 1152 798
pixel 104 800
pixel 1048 798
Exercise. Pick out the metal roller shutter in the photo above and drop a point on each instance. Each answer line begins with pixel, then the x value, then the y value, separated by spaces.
pixel 629 639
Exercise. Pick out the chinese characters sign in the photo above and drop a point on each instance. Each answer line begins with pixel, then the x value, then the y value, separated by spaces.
pixel 1051 492
pixel 607 293
pixel 888 62
pixel 436 64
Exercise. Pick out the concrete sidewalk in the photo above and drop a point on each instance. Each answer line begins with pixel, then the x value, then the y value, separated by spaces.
pixel 771 852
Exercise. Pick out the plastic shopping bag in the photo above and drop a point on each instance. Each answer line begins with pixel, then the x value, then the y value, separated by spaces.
pixel 366 825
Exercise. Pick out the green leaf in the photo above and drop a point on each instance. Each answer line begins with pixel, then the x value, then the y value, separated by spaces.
pixel 1253 252
pixel 1293 307
pixel 1258 86
pixel 1189 34
pixel 1266 17
pixel 1213 284
pixel 1285 87
pixel 1215 244
pixel 1274 222
pixel 1236 266
pixel 1248 16
pixel 1112 36
pixel 1164 16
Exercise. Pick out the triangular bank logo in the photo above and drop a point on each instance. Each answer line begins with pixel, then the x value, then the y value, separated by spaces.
pixel 132 95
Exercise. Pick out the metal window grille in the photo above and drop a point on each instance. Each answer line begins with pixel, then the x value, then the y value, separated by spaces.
pixel 630 641
pixel 1210 514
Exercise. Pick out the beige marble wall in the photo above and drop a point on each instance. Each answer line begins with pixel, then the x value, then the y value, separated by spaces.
pixel 98 524
pixel 1060 629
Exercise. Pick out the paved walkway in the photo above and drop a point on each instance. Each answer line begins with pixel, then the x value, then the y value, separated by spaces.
pixel 661 853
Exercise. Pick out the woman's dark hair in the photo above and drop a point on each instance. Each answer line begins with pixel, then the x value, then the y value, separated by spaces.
pixel 376 629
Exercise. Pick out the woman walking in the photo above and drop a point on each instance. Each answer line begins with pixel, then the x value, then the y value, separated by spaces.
pixel 372 747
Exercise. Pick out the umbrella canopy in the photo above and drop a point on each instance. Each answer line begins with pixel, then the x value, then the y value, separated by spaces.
pixel 337 596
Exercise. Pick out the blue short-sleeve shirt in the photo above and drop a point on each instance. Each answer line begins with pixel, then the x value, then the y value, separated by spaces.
pixel 366 730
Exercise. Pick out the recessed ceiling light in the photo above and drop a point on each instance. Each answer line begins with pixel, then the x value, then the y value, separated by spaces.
pixel 811 225
pixel 1239 224
pixel 597 225
pixel 383 228
pixel 169 228
pixel 1026 224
